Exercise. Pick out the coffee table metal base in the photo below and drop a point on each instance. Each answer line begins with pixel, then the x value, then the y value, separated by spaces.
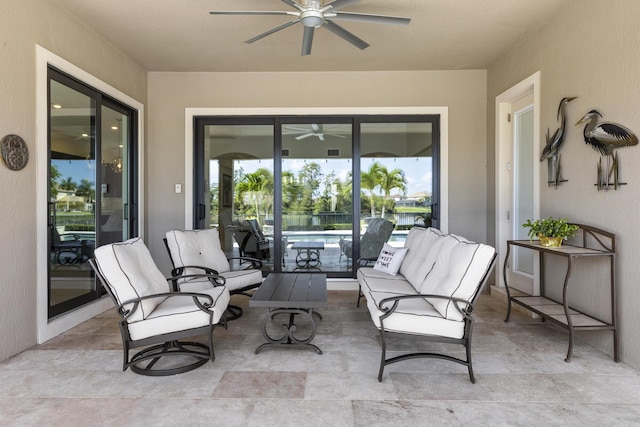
pixel 289 338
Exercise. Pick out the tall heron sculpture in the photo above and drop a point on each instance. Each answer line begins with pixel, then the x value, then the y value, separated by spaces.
pixel 606 138
pixel 554 143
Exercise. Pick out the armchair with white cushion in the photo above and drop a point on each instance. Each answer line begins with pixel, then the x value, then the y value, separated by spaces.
pixel 155 317
pixel 198 251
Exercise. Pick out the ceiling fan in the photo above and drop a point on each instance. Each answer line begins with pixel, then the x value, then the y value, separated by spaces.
pixel 313 14
pixel 317 130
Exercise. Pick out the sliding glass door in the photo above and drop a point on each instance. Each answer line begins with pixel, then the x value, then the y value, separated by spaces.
pixel 317 194
pixel 282 189
pixel 91 186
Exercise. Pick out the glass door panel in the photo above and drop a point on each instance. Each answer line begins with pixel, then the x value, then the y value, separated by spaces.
pixel 317 200
pixel 237 194
pixel 396 176
pixel 91 138
pixel 72 176
pixel 114 197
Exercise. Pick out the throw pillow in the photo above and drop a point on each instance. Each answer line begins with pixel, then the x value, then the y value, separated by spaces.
pixel 390 259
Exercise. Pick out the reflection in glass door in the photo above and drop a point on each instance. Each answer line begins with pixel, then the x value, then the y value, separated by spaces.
pixel 236 192
pixel 317 196
pixel 89 179
pixel 287 182
pixel 397 177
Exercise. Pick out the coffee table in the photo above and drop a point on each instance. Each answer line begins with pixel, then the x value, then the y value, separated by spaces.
pixel 293 294
pixel 308 253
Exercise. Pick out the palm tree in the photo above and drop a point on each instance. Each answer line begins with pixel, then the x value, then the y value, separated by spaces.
pixel 54 176
pixel 370 180
pixel 86 189
pixel 258 186
pixel 390 180
pixel 68 184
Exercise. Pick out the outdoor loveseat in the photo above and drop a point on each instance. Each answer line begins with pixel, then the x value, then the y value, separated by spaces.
pixel 427 290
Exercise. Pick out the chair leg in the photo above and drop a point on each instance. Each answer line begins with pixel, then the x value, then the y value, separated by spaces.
pixel 233 312
pixel 382 356
pixel 469 364
pixel 360 295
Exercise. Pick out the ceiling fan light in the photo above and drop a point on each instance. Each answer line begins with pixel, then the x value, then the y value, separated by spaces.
pixel 312 18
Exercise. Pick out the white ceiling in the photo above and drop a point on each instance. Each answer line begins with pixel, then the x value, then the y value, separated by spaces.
pixel 180 35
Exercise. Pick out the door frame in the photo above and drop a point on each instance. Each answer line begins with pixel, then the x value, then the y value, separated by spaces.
pixel 49 328
pixel 191 113
pixel 503 162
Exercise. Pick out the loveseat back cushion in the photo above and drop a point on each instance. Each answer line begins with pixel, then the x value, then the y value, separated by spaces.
pixel 423 246
pixel 458 271
pixel 130 273
pixel 197 248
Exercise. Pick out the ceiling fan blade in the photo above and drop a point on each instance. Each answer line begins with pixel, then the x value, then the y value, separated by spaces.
pixel 346 35
pixel 368 18
pixel 273 30
pixel 298 129
pixel 338 4
pixel 252 12
pixel 293 4
pixel 320 136
pixel 337 135
pixel 307 40
pixel 306 135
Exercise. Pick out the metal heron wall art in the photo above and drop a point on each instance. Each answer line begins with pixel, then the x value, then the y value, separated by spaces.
pixel 606 138
pixel 554 143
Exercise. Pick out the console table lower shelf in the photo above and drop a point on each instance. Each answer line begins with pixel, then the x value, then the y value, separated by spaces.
pixel 554 312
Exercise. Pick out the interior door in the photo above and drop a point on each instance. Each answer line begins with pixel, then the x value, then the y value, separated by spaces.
pixel 525 160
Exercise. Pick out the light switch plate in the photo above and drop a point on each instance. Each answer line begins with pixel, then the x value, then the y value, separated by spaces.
pixel 178 188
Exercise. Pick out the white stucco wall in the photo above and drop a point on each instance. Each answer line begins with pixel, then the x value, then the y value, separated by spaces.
pixel 589 50
pixel 463 92
pixel 26 23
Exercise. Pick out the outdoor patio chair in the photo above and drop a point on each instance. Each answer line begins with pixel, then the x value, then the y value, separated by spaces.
pixel 154 317
pixel 251 240
pixel 378 232
pixel 73 251
pixel 198 251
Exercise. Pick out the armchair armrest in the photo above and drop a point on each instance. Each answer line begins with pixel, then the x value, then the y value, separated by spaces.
pixel 211 274
pixel 204 306
pixel 465 312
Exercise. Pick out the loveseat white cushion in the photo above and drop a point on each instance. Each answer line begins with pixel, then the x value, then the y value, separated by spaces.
pixel 423 245
pixel 413 316
pixel 129 263
pixel 459 267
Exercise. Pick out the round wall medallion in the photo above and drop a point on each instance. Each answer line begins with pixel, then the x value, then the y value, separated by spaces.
pixel 14 152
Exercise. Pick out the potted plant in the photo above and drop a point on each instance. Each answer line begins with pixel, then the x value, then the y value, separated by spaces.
pixel 551 231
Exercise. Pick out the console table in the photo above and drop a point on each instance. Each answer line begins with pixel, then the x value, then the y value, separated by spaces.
pixel 591 242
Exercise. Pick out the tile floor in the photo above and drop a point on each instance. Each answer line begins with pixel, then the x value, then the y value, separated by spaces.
pixel 522 380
